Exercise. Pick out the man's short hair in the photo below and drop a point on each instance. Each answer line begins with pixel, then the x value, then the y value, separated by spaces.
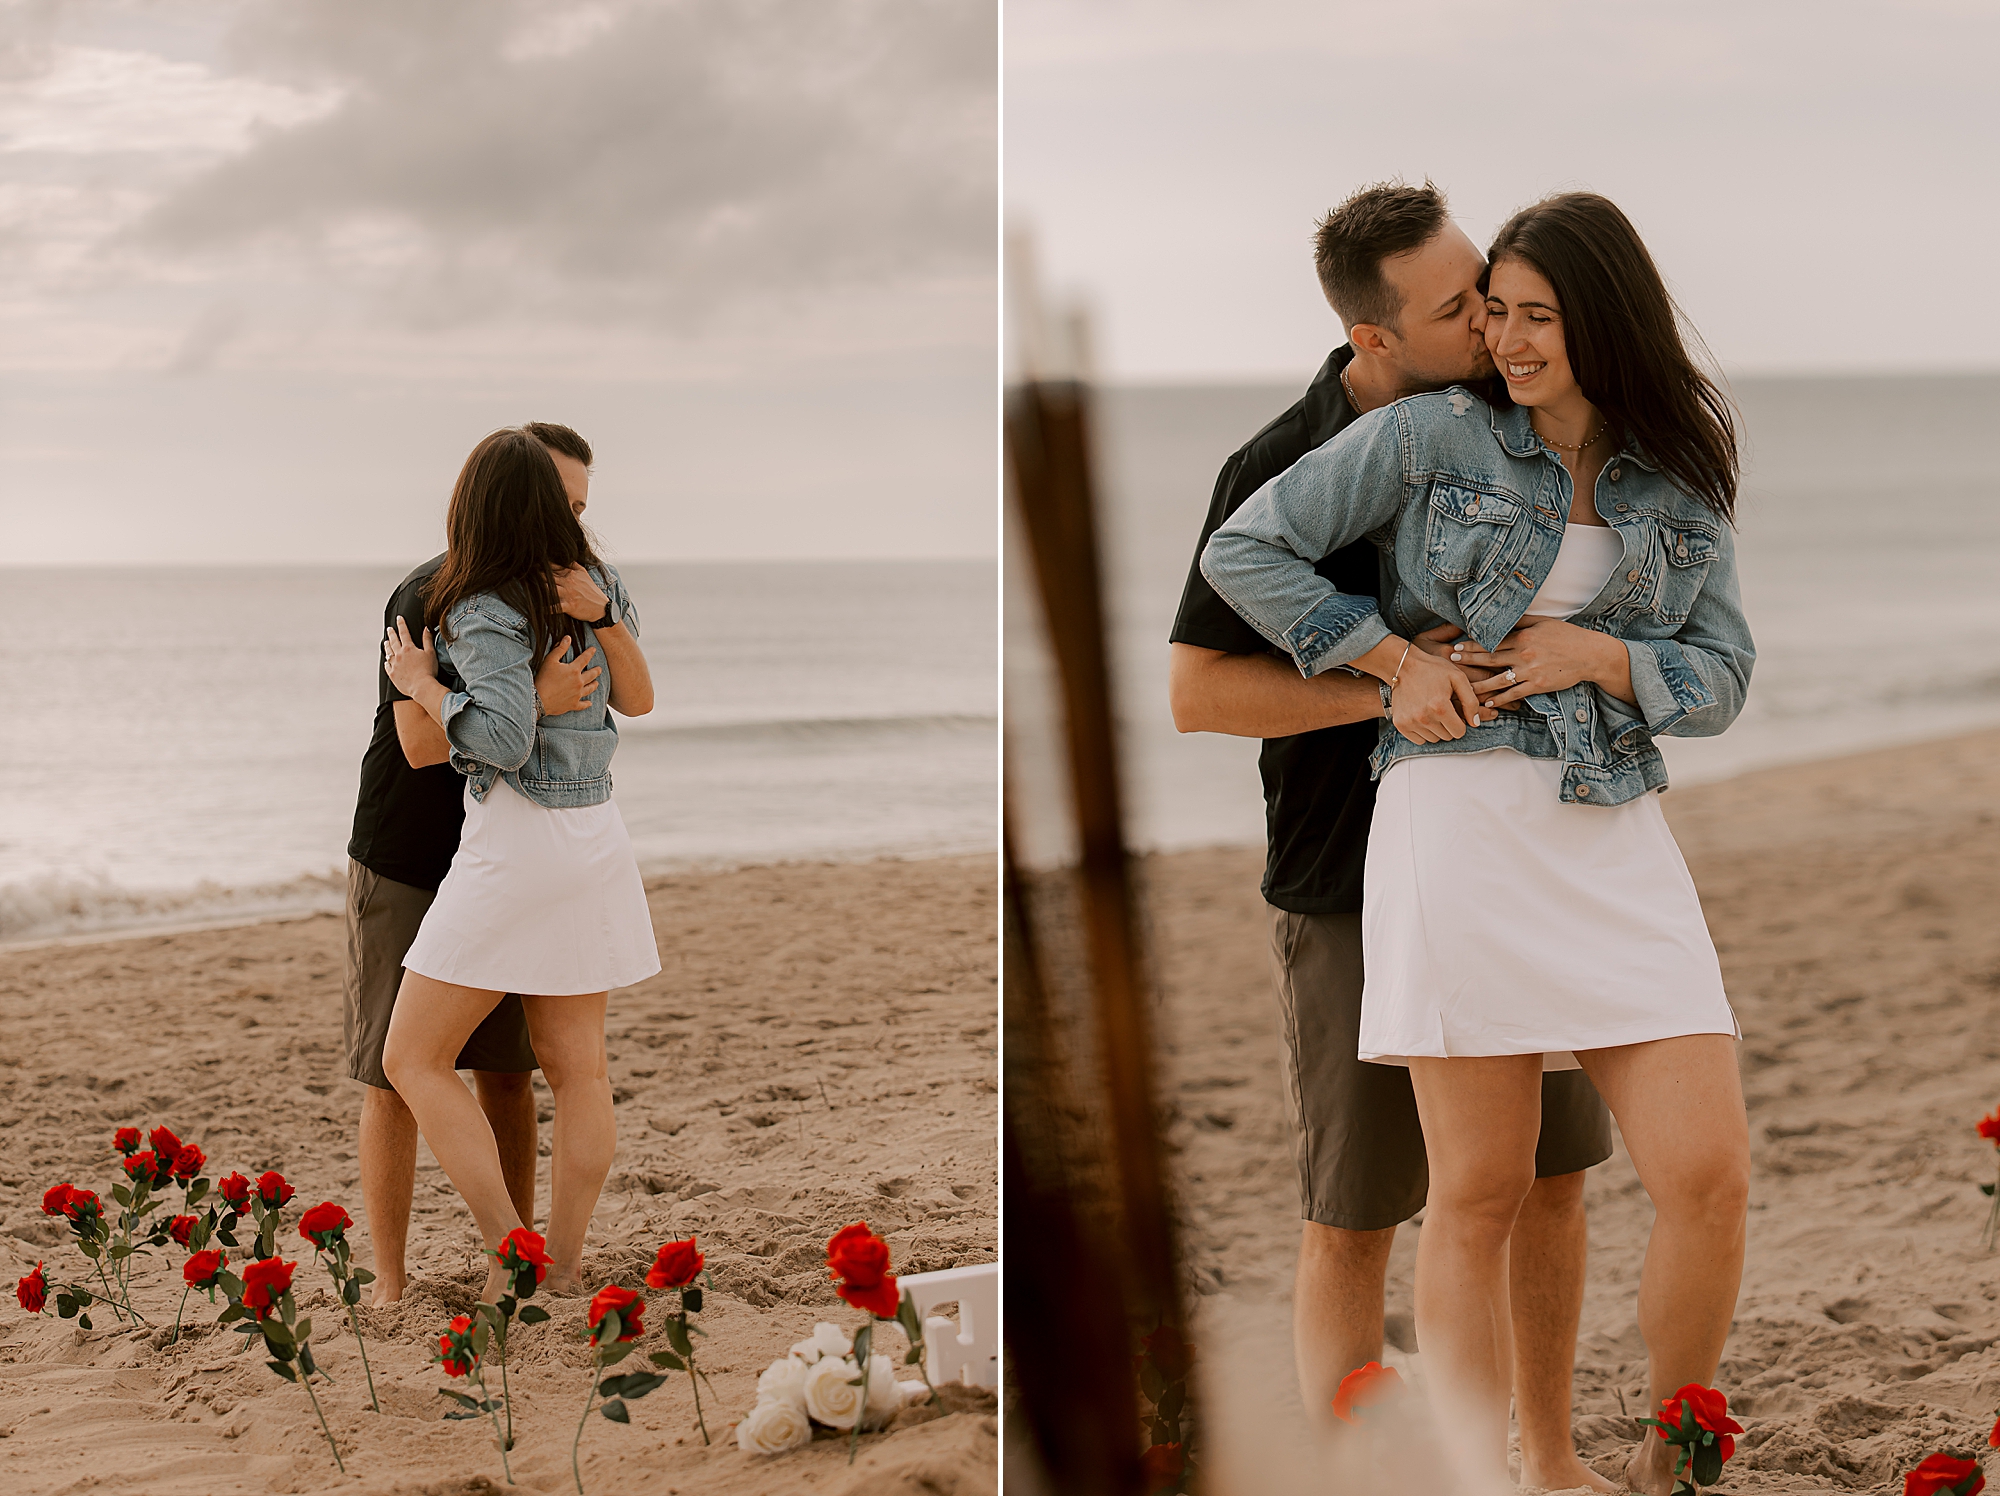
pixel 1351 242
pixel 560 439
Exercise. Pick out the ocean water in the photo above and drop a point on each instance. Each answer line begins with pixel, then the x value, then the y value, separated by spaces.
pixel 184 745
pixel 1868 546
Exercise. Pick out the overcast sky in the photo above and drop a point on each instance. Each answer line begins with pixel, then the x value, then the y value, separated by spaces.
pixel 273 266
pixel 1817 181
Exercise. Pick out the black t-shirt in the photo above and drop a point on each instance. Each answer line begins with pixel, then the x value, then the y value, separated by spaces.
pixel 1318 797
pixel 407 821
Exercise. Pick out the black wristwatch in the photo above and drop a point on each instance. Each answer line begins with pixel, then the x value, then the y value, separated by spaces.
pixel 607 620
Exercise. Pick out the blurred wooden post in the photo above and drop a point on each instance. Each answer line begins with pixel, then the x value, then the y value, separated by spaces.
pixel 1048 449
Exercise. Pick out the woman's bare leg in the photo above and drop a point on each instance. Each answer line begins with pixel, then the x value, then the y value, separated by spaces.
pixel 1481 1118
pixel 431 1022
pixel 1679 1105
pixel 568 1034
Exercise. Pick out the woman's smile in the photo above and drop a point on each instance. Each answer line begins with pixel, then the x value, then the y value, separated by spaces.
pixel 1521 371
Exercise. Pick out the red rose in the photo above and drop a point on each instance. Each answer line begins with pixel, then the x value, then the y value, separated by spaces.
pixel 1163 1465
pixel 1711 1411
pixel 141 1167
pixel 1994 1437
pixel 56 1201
pixel 163 1142
pixel 1371 1384
pixel 455 1348
pixel 858 1255
pixel 1989 1127
pixel 521 1247
pixel 676 1266
pixel 264 1283
pixel 126 1140
pixel 203 1268
pixel 323 1225
pixel 235 1191
pixel 182 1227
pixel 189 1162
pixel 84 1208
pixel 629 1307
pixel 1940 1472
pixel 272 1189
pixel 1169 1352
pixel 33 1291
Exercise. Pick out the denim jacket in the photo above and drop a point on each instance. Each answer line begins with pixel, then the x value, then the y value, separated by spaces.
pixel 1468 508
pixel 558 762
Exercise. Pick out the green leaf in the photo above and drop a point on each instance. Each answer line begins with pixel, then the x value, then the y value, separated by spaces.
pixel 610 1327
pixel 276 1329
pixel 534 1314
pixel 639 1383
pixel 66 1305
pixel 350 1292
pixel 1985 1189
pixel 84 1321
pixel 461 1415
pixel 912 1356
pixel 615 1411
pixel 613 1386
pixel 677 1337
pixel 362 1275
pixel 613 1354
pixel 458 1397
pixel 283 1370
pixel 667 1358
pixel 121 1250
pixel 1707 1464
pixel 302 1331
pixel 121 1194
pixel 864 1344
pixel 506 1306
pixel 197 1192
pixel 1174 1400
pixel 691 1300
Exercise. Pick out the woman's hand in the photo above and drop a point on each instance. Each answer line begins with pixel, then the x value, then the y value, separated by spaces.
pixel 1431 701
pixel 409 664
pixel 1551 655
pixel 578 595
pixel 1447 642
pixel 565 685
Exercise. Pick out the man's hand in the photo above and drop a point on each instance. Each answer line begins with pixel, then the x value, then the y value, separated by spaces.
pixel 408 663
pixel 579 596
pixel 563 684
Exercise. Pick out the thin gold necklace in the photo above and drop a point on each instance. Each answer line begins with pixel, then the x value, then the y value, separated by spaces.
pixel 1354 403
pixel 1565 446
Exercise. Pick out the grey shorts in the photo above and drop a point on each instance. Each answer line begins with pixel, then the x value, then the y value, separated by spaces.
pixel 382 920
pixel 1359 1143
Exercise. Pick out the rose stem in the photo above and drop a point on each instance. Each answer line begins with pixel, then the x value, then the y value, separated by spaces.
pixel 506 1397
pixel 589 1401
pixel 487 1397
pixel 352 1319
pixel 177 1314
pixel 305 1380
pixel 693 1382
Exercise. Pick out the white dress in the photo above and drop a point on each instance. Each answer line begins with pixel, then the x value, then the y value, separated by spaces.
pixel 1497 919
pixel 538 901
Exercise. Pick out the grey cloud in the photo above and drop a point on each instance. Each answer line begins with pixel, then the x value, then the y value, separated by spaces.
pixel 688 155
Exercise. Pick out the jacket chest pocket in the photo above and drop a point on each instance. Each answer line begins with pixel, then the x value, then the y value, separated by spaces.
pixel 1679 558
pixel 1464 529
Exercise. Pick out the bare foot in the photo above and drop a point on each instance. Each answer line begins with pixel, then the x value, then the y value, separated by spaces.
pixel 1564 1474
pixel 496 1284
pixel 1651 1471
pixel 387 1290
pixel 562 1285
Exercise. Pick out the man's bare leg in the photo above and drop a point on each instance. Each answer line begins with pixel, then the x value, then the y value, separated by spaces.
pixel 1337 1308
pixel 1545 1288
pixel 388 1176
pixel 508 1099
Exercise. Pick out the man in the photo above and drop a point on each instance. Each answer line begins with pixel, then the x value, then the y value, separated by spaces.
pixel 406 828
pixel 1406 281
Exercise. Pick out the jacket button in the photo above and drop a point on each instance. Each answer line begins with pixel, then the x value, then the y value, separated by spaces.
pixel 1582 715
pixel 1473 507
pixel 1616 474
pixel 1621 508
pixel 1631 576
pixel 1583 792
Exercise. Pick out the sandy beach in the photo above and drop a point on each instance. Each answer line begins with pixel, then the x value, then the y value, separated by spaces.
pixel 819 1049
pixel 1853 903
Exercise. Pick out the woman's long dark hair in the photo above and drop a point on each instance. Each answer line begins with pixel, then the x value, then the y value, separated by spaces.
pixel 1623 333
pixel 508 527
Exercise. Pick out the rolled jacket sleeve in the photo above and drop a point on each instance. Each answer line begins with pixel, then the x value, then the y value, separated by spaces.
pixel 491 718
pixel 1261 562
pixel 1694 684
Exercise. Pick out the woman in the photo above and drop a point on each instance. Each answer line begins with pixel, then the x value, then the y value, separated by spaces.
pixel 544 896
pixel 1525 903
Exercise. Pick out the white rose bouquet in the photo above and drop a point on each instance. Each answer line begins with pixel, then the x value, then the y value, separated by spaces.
pixel 819 1384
